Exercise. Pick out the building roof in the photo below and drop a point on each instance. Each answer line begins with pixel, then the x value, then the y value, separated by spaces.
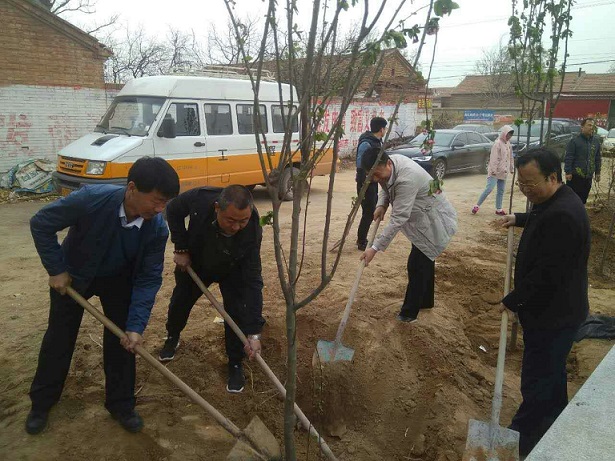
pixel 574 82
pixel 38 11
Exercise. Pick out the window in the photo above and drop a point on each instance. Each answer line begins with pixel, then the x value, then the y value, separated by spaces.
pixel 279 122
pixel 460 138
pixel 130 115
pixel 474 138
pixel 245 121
pixel 186 116
pixel 218 119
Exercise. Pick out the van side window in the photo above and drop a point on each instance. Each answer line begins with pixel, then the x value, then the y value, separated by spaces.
pixel 218 119
pixel 186 118
pixel 244 118
pixel 279 122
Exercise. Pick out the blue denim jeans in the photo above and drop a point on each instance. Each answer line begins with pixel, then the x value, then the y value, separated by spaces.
pixel 491 183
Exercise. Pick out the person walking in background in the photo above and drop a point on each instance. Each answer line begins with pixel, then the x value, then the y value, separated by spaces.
pixel 114 250
pixel 367 140
pixel 583 160
pixel 550 291
pixel 500 164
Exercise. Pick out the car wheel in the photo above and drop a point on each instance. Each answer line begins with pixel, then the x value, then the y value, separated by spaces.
pixel 485 165
pixel 286 183
pixel 251 187
pixel 439 169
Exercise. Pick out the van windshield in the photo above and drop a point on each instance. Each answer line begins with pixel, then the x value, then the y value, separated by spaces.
pixel 130 115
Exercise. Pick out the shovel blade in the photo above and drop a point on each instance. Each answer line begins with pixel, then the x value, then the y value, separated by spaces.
pixel 490 442
pixel 259 444
pixel 329 351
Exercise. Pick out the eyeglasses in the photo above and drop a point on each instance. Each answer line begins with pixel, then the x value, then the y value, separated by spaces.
pixel 525 185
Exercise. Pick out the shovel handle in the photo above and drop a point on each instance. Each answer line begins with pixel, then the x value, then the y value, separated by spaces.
pixel 196 398
pixel 270 374
pixel 499 372
pixel 353 291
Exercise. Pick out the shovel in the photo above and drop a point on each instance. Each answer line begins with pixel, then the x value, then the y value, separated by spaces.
pixel 335 351
pixel 254 443
pixel 488 441
pixel 227 318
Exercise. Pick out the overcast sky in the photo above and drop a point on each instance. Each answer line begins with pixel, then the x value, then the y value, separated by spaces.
pixel 476 26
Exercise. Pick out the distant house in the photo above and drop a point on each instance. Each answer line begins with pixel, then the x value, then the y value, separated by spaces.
pixel 582 95
pixel 52 87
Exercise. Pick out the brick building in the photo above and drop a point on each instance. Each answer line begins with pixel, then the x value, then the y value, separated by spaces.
pixel 52 88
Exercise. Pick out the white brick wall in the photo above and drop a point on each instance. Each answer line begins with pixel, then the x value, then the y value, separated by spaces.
pixel 358 115
pixel 37 121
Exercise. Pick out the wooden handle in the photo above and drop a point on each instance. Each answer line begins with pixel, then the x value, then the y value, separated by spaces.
pixel 499 371
pixel 353 291
pixel 196 398
pixel 270 374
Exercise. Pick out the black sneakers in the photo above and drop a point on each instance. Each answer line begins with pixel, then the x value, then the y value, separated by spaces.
pixel 168 350
pixel 236 379
pixel 36 422
pixel 129 420
pixel 361 246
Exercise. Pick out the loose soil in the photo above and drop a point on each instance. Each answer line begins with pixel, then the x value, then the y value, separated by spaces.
pixel 407 395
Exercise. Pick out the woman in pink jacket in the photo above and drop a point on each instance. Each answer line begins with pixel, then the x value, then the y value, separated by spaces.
pixel 500 163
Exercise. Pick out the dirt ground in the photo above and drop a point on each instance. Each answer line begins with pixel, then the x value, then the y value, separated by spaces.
pixel 408 394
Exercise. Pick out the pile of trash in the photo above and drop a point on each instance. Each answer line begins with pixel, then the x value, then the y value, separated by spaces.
pixel 29 177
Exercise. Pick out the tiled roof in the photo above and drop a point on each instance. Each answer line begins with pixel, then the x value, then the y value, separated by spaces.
pixel 573 83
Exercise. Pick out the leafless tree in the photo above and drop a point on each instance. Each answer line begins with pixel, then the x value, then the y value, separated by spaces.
pixel 135 55
pixel 223 46
pixel 497 64
pixel 64 6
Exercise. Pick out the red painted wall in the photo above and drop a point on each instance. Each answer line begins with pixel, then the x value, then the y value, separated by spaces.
pixel 581 108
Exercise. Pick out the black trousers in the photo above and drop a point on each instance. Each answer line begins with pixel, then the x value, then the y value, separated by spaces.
pixel 421 283
pixel 543 384
pixel 368 206
pixel 59 344
pixel 185 295
pixel 581 186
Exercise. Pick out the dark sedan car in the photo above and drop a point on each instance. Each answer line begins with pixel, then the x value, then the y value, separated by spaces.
pixel 486 130
pixel 561 133
pixel 453 151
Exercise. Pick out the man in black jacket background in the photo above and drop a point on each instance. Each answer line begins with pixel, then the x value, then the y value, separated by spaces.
pixel 369 139
pixel 583 160
pixel 550 293
pixel 222 244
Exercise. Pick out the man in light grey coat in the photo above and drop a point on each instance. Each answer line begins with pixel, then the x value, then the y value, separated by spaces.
pixel 427 219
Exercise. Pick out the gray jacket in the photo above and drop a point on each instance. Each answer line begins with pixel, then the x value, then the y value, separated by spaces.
pixel 428 221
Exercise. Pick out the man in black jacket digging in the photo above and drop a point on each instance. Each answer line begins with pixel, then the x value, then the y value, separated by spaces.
pixel 550 293
pixel 222 245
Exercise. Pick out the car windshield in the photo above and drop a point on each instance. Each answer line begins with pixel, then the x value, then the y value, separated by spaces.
pixel 441 139
pixel 130 115
pixel 611 133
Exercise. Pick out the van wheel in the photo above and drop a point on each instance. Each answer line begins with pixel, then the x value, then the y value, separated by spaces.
pixel 251 187
pixel 286 183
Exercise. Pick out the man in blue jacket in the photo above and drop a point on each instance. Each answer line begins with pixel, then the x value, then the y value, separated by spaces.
pixel 114 250
pixel 222 244
pixel 583 160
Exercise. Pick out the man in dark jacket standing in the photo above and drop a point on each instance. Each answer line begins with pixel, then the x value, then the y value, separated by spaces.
pixel 367 140
pixel 583 159
pixel 114 250
pixel 550 293
pixel 222 244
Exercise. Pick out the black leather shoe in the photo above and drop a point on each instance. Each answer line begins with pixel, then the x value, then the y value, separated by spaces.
pixel 129 420
pixel 36 422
